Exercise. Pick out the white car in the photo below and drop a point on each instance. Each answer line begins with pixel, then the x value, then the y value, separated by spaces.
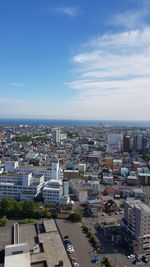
pixel 132 256
pixel 69 247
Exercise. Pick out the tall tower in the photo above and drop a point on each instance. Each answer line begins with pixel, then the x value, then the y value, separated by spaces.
pixel 126 143
pixel 56 135
pixel 55 169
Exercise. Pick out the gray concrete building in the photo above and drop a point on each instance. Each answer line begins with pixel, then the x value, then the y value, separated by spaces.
pixel 136 223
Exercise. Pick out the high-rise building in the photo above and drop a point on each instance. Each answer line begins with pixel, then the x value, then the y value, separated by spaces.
pixel 114 143
pixel 141 143
pixel 137 143
pixel 146 144
pixel 56 135
pixel 136 223
pixel 126 143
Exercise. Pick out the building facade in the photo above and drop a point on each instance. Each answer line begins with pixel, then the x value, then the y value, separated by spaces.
pixel 136 224
pixel 24 187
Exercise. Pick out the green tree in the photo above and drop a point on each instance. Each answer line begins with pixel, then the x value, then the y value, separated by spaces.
pixel 54 215
pixel 3 221
pixel 29 208
pixel 28 220
pixel 75 217
pixel 85 229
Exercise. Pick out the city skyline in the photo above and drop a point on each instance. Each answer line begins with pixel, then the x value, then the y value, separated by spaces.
pixel 75 59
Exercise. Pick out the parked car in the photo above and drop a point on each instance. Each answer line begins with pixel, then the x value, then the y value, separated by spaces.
pixel 132 256
pixel 144 259
pixel 71 250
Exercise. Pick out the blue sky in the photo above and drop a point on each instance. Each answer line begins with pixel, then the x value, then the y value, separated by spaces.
pixel 75 59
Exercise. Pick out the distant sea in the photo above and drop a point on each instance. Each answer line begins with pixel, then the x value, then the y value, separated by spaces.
pixel 70 123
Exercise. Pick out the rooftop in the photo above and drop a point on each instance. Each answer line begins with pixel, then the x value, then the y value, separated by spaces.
pixel 18 260
pixel 30 167
pixel 144 174
pixel 138 204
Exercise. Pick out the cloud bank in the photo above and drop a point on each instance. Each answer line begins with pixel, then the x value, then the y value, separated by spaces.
pixel 112 73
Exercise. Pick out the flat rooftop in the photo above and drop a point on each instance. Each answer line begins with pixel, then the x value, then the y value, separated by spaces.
pixel 29 167
pixel 144 174
pixel 46 235
pixel 18 260
pixel 28 234
pixel 6 236
pixel 54 250
pixel 138 204
pixel 13 174
pixel 50 226
pixel 132 177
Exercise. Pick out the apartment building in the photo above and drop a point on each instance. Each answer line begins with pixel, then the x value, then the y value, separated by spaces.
pixel 56 133
pixel 114 142
pixel 19 186
pixel 136 224
pixel 79 191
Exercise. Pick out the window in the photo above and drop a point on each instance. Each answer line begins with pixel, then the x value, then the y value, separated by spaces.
pixel 17 252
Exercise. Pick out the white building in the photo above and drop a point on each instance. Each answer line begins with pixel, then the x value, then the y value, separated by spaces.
pixel 108 179
pixel 56 192
pixel 53 172
pixel 31 156
pixel 21 186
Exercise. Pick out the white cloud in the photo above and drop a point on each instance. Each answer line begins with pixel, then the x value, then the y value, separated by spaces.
pixel 17 84
pixel 134 18
pixel 113 77
pixel 69 11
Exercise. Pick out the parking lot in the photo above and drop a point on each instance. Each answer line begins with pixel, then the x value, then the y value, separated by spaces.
pixel 83 250
pixel 116 254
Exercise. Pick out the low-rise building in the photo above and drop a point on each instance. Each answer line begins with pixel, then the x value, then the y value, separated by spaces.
pixel 70 174
pixel 56 192
pixel 108 179
pixel 144 178
pixel 132 180
pixel 80 193
pixel 138 193
pixel 117 163
pixel 37 245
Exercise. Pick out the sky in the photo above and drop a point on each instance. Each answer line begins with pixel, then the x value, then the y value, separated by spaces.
pixel 75 59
